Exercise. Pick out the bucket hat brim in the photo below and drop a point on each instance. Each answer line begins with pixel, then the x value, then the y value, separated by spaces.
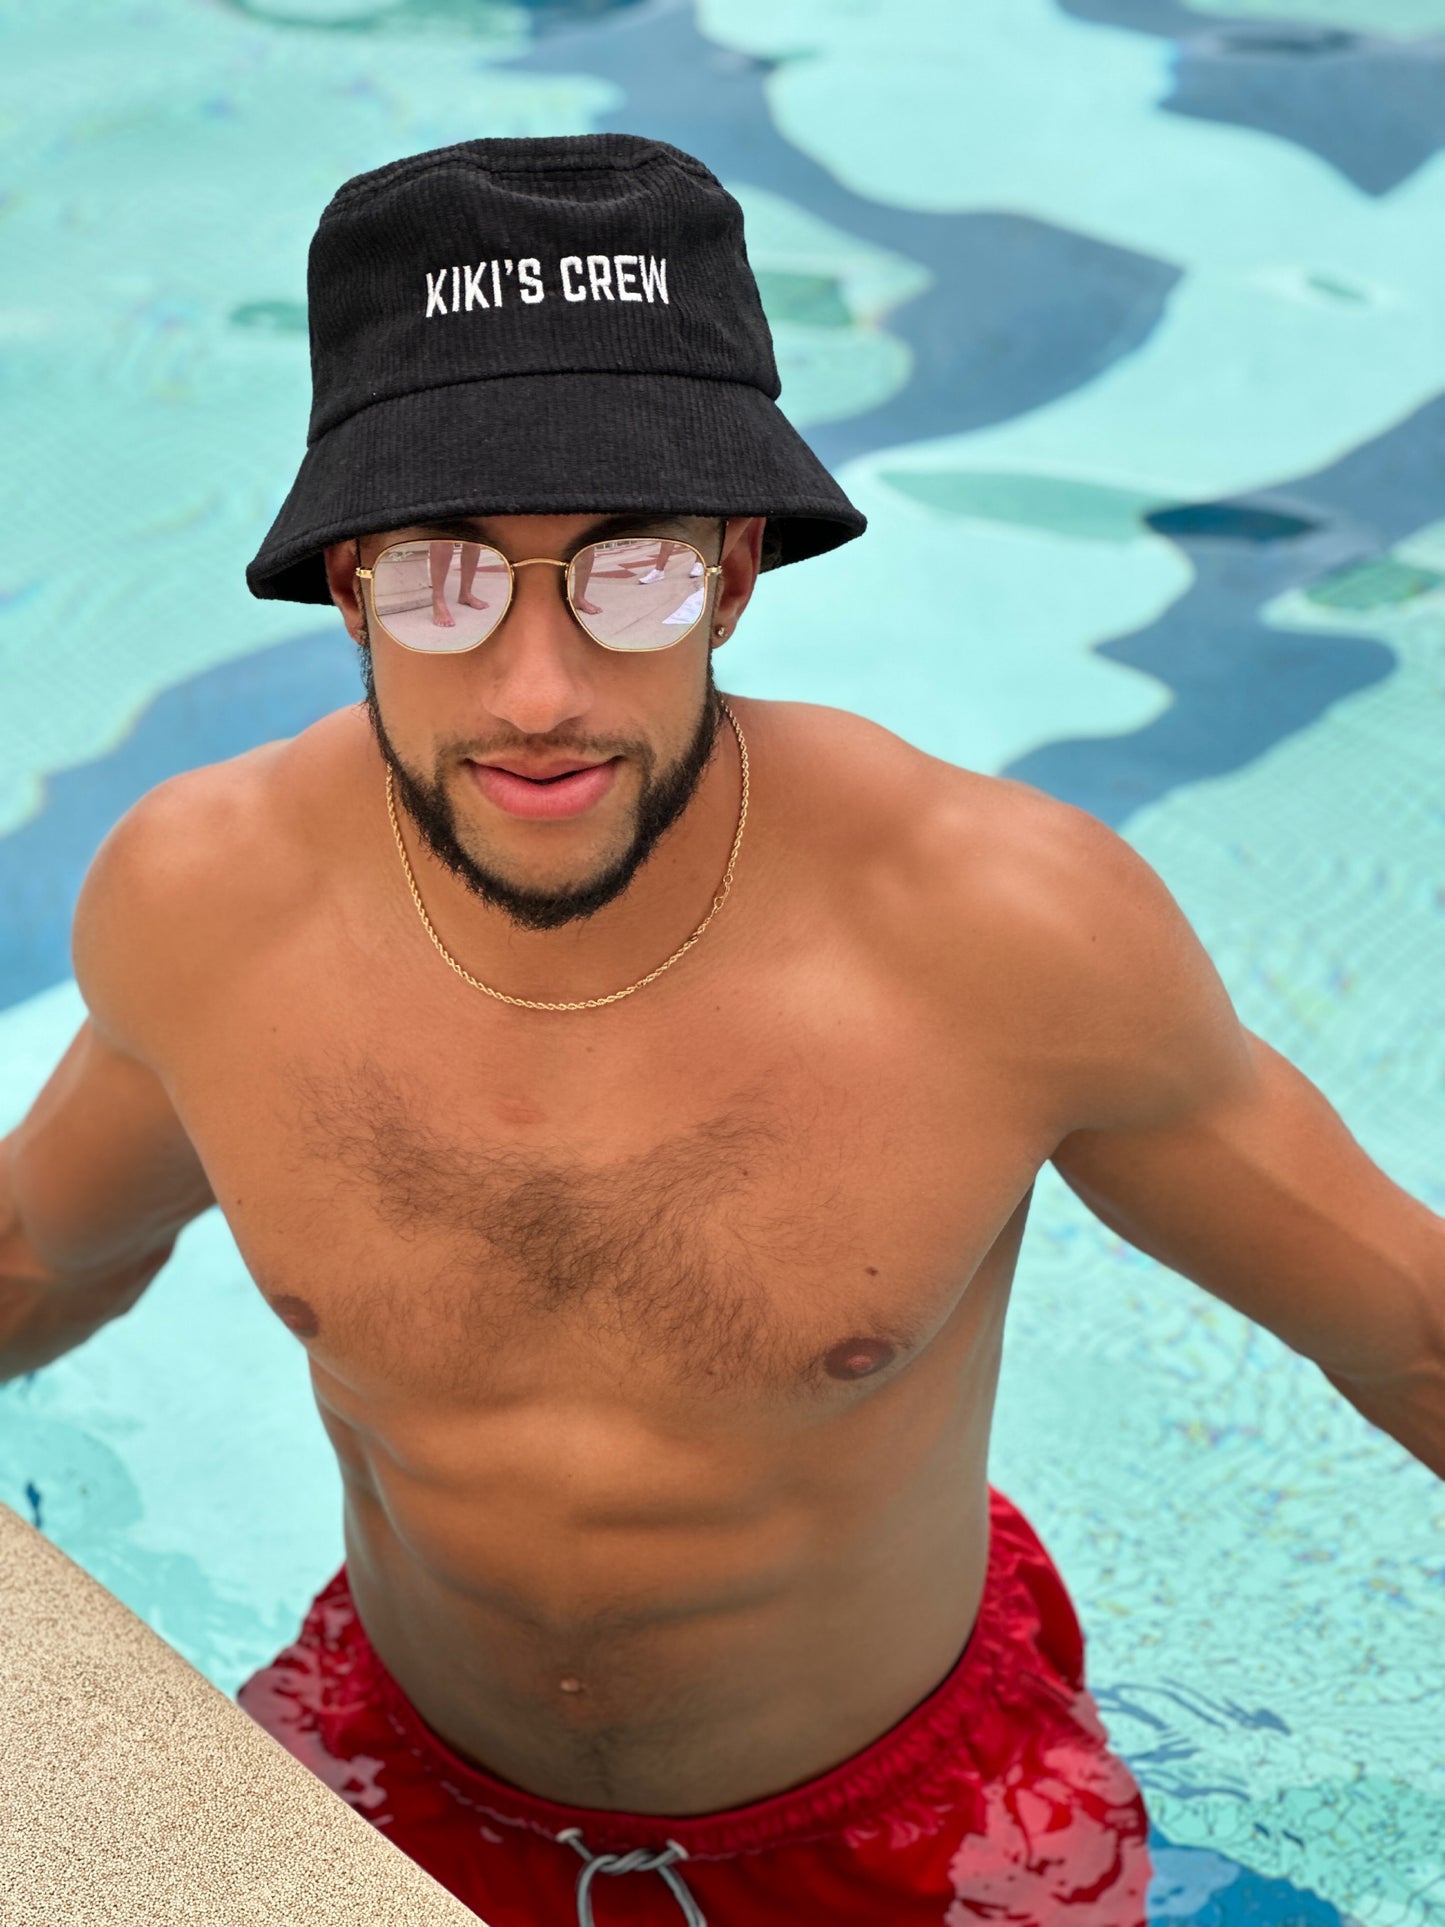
pixel 552 444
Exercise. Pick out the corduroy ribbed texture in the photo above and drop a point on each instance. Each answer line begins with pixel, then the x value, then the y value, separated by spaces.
pixel 539 326
pixel 388 243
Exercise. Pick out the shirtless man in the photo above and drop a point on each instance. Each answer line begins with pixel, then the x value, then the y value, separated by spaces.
pixel 654 1289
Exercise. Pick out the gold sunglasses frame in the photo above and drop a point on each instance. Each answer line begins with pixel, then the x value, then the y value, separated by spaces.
pixel 709 570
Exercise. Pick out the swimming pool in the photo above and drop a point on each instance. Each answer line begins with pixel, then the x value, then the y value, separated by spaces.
pixel 1134 306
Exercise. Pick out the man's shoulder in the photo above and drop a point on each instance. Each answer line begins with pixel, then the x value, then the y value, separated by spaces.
pixel 240 825
pixel 205 866
pixel 938 829
pixel 1026 915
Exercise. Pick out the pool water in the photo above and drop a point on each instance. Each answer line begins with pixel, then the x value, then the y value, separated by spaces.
pixel 1124 322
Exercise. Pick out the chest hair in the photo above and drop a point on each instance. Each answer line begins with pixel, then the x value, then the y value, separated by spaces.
pixel 666 1251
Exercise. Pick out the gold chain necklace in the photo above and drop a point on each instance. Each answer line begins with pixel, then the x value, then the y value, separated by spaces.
pixel 587 1003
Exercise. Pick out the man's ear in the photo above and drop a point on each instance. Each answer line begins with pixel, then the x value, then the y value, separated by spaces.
pixel 741 558
pixel 342 560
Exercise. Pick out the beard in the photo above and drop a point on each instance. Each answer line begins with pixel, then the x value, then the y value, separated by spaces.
pixel 665 794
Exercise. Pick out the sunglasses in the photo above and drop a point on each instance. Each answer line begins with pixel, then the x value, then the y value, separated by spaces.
pixel 635 594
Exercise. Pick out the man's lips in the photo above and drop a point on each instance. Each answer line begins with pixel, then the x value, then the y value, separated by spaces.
pixel 547 790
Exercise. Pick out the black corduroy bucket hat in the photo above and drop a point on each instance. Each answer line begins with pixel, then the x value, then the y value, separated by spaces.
pixel 513 327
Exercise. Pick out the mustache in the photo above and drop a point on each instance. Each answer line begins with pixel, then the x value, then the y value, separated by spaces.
pixel 566 743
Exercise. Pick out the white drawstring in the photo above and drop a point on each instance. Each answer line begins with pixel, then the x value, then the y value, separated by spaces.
pixel 637 1861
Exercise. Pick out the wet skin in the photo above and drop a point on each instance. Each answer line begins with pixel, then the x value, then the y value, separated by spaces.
pixel 658 1343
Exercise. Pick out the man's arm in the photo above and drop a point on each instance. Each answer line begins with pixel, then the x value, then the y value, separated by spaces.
pixel 98 1179
pixel 1202 1146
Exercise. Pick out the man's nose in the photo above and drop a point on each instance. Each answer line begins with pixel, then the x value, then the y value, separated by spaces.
pixel 536 668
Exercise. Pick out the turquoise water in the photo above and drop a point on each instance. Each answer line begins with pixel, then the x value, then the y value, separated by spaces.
pixel 1132 310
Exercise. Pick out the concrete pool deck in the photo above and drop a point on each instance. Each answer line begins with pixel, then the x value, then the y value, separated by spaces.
pixel 135 1790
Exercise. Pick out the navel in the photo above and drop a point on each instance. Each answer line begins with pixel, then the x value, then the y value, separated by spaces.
pixel 858 1358
pixel 296 1315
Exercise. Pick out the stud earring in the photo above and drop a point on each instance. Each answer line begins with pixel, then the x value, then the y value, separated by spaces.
pixel 720 629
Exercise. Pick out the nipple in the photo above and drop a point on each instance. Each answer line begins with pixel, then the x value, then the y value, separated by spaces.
pixel 858 1358
pixel 296 1315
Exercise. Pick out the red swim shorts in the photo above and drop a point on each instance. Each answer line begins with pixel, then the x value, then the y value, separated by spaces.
pixel 995 1799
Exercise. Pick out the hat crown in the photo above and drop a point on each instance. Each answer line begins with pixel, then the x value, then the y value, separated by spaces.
pixel 603 253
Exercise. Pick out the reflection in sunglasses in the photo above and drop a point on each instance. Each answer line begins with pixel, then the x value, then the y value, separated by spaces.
pixel 688 611
pixel 633 593
pixel 427 595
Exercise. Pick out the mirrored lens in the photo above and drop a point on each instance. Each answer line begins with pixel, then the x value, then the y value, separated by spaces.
pixel 638 593
pixel 440 597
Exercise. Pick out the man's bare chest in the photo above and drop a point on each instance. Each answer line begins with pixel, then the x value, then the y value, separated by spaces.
pixel 779 1206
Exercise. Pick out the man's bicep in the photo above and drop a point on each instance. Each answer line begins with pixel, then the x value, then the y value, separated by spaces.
pixel 101 1168
pixel 1267 1200
pixel 1205 1148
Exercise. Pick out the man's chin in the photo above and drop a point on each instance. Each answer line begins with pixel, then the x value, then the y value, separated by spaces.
pixel 548 904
